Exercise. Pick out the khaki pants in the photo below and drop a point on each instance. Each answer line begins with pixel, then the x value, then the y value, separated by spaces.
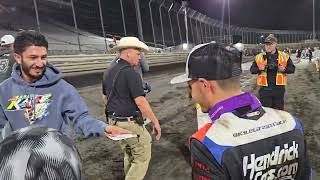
pixel 137 151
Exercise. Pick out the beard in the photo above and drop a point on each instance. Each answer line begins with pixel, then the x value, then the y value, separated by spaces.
pixel 26 69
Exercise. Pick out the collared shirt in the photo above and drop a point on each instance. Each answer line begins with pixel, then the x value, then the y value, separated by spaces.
pixel 123 89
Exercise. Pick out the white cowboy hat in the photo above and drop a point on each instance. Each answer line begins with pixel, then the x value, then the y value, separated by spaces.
pixel 7 39
pixel 130 42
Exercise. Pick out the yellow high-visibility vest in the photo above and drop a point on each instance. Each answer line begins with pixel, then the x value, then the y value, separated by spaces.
pixel 281 78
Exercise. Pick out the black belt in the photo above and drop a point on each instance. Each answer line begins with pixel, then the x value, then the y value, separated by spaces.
pixel 138 118
pixel 122 119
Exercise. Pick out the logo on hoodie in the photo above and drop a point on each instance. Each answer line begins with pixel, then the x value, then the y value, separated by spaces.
pixel 35 106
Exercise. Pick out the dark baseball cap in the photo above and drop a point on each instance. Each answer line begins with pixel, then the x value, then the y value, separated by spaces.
pixel 271 39
pixel 212 61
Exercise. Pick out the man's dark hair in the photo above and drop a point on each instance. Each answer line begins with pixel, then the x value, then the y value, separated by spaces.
pixel 28 38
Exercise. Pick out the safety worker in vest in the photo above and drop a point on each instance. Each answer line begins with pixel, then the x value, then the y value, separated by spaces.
pixel 272 68
pixel 244 140
pixel 127 107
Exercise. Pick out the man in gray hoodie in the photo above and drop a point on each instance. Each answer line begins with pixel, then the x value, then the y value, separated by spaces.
pixel 36 94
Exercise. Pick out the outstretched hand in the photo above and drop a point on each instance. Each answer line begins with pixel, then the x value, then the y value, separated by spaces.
pixel 115 130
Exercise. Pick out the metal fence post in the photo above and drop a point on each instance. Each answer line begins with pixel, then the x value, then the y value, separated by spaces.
pixel 75 24
pixel 191 27
pixel 153 33
pixel 179 24
pixel 197 30
pixel 170 23
pixel 186 21
pixel 161 23
pixel 102 24
pixel 205 28
pixel 138 17
pixel 123 19
pixel 37 14
pixel 201 29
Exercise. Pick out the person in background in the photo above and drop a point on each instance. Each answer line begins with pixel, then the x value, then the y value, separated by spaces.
pixel 6 57
pixel 298 51
pixel 317 61
pixel 310 54
pixel 127 107
pixel 272 68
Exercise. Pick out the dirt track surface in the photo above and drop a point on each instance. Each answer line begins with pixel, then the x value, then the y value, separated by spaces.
pixel 102 158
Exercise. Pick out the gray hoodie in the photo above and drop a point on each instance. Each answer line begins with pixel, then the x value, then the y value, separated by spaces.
pixel 49 102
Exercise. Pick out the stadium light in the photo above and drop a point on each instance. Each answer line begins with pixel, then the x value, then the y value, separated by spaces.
pixel 185 46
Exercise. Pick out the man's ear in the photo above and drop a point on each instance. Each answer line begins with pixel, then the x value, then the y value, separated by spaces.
pixel 18 58
pixel 210 85
pixel 205 83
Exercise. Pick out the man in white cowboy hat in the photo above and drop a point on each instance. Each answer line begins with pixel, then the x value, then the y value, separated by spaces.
pixel 127 107
pixel 6 57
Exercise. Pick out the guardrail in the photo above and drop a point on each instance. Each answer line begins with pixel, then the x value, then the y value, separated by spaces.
pixel 75 64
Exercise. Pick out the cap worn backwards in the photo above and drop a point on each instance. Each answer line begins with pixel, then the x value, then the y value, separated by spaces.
pixel 211 61
pixel 7 39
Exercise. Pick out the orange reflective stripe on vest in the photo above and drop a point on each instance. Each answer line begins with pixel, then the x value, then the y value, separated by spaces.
pixel 262 77
pixel 281 78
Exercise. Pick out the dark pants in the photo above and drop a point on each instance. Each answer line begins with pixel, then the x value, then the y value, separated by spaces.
pixel 272 97
pixel 310 58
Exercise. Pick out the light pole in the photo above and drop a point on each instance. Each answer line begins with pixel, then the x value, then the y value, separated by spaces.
pixel 123 19
pixel 205 28
pixel 179 23
pixel 184 4
pixel 171 23
pixel 197 29
pixel 138 17
pixel 314 22
pixel 37 14
pixel 202 28
pixel 75 24
pixel 102 24
pixel 192 13
pixel 161 23
pixel 229 32
pixel 153 33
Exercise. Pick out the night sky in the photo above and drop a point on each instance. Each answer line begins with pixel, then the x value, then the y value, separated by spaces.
pixel 265 14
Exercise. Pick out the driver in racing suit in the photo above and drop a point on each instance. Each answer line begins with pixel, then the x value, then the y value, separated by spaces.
pixel 243 140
